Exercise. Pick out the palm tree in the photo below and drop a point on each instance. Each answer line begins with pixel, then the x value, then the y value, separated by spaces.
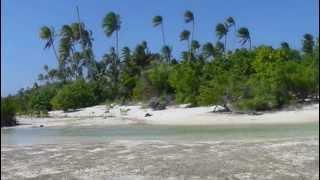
pixel 126 53
pixel 307 43
pixel 220 47
pixel 195 45
pixel 185 36
pixel 285 46
pixel 52 74
pixel 40 77
pixel 144 44
pixel 48 35
pixel 166 52
pixel 222 31
pixel 231 22
pixel 208 50
pixel 244 35
pixel 189 17
pixel 46 68
pixel 112 23
pixel 68 37
pixel 156 21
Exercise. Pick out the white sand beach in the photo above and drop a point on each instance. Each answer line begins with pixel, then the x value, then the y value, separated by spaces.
pixel 172 115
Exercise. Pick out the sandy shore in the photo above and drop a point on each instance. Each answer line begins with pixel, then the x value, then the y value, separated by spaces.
pixel 173 115
pixel 293 159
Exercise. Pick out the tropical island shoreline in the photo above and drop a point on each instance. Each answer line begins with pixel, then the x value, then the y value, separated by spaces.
pixel 173 115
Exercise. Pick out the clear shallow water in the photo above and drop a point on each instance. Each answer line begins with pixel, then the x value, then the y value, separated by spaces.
pixel 57 135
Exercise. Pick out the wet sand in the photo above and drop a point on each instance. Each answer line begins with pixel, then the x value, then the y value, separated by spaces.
pixel 292 159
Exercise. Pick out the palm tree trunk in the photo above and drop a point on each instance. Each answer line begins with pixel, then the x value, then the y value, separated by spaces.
pixel 55 52
pixel 117 48
pixel 250 43
pixel 72 58
pixel 192 34
pixel 78 14
pixel 189 50
pixel 163 37
pixel 225 44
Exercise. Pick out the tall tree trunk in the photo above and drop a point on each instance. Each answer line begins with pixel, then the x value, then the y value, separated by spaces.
pixel 163 37
pixel 92 63
pixel 55 52
pixel 189 50
pixel 117 44
pixel 80 28
pixel 250 43
pixel 225 44
pixel 192 34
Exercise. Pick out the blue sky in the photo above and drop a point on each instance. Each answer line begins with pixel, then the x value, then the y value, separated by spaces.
pixel 23 57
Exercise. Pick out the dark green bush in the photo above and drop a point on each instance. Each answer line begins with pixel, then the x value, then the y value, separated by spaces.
pixel 76 95
pixel 40 99
pixel 7 113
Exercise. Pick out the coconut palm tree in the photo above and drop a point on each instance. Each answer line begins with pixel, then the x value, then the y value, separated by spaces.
pixel 111 24
pixel 126 53
pixel 68 37
pixel 48 34
pixel 166 52
pixel 195 45
pixel 189 17
pixel 144 44
pixel 222 31
pixel 208 50
pixel 231 22
pixel 40 77
pixel 244 35
pixel 158 21
pixel 220 47
pixel 285 46
pixel 308 43
pixel 185 36
pixel 46 67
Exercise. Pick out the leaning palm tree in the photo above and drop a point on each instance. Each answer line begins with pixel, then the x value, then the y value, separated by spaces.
pixel 112 24
pixel 222 31
pixel 158 21
pixel 189 17
pixel 185 36
pixel 48 35
pixel 244 35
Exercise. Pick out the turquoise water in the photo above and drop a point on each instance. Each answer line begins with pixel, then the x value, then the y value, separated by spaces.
pixel 56 135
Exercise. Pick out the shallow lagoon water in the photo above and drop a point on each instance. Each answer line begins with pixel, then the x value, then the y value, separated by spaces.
pixel 282 151
pixel 72 134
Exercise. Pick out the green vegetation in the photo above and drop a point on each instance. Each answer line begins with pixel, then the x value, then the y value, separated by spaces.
pixel 7 113
pixel 74 95
pixel 252 78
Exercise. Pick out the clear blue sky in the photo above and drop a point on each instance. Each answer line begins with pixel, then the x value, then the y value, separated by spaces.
pixel 23 57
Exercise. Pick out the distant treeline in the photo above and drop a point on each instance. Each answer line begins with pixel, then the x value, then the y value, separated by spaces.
pixel 246 78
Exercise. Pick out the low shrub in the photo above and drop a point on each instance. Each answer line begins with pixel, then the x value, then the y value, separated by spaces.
pixel 76 95
pixel 7 113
